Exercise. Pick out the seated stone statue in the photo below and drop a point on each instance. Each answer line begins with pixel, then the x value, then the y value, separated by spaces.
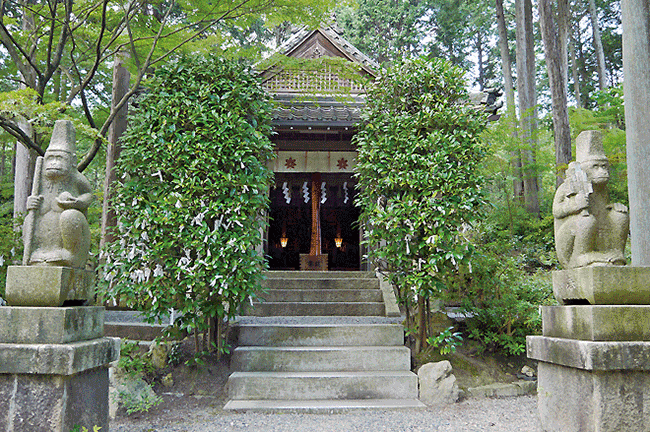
pixel 60 234
pixel 588 229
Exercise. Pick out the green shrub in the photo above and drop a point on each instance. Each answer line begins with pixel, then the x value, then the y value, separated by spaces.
pixel 190 206
pixel 418 170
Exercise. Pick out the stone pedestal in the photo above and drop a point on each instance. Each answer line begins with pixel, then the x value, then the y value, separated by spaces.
pixel 48 286
pixel 54 368
pixel 594 359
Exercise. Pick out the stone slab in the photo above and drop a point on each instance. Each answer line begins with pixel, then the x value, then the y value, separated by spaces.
pixel 597 323
pixel 54 403
pixel 57 359
pixel 312 359
pixel 320 406
pixel 47 285
pixel 590 355
pixel 42 325
pixel 322 385
pixel 320 334
pixel 578 400
pixel 615 285
pixel 518 388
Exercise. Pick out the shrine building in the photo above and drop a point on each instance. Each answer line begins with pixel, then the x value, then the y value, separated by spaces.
pixel 313 222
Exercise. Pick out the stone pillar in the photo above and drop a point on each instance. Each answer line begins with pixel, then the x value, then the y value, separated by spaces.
pixel 594 355
pixel 54 368
pixel 636 64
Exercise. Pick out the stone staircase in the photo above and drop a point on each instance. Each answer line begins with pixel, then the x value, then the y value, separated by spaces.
pixel 321 341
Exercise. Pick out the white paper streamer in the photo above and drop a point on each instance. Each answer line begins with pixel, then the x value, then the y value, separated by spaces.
pixel 286 192
pixel 305 191
pixel 323 196
pixel 345 190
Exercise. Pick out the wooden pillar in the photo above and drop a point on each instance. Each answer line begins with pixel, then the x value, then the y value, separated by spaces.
pixel 121 81
pixel 315 247
pixel 314 260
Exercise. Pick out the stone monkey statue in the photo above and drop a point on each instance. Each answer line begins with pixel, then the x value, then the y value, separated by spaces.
pixel 60 234
pixel 588 229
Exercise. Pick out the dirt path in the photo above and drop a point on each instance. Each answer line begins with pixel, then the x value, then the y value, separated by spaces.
pixel 205 415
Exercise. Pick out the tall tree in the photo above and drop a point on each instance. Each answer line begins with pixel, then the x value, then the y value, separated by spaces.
pixel 77 38
pixel 598 46
pixel 386 30
pixel 527 101
pixel 552 20
pixel 506 68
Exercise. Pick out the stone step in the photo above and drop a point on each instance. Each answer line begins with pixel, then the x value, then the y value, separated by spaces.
pixel 322 385
pixel 316 309
pixel 320 359
pixel 318 274
pixel 133 331
pixel 318 406
pixel 287 335
pixel 311 295
pixel 321 284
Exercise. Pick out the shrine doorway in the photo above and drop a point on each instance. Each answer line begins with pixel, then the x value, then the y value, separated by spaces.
pixel 290 221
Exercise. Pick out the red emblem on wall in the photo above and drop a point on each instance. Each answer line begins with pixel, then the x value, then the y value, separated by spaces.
pixel 342 163
pixel 290 163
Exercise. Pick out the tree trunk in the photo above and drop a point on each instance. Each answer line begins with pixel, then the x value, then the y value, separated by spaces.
pixel 421 340
pixel 3 157
pixel 506 67
pixel 527 101
pixel 479 54
pixel 25 157
pixel 636 65
pixel 574 70
pixel 556 66
pixel 121 77
pixel 598 46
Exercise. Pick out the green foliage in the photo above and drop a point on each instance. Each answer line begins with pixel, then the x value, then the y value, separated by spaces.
pixel 194 190
pixel 85 429
pixel 446 341
pixel 501 300
pixel 609 118
pixel 10 241
pixel 384 30
pixel 133 361
pixel 138 403
pixel 420 187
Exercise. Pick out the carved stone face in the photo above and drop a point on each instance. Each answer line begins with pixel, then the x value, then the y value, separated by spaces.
pixel 597 170
pixel 57 164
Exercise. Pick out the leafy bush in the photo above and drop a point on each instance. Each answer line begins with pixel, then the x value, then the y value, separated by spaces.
pixel 420 187
pixel 501 300
pixel 190 205
pixel 133 361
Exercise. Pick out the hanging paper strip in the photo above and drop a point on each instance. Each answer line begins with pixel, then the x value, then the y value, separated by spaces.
pixel 305 191
pixel 345 189
pixel 287 192
pixel 323 194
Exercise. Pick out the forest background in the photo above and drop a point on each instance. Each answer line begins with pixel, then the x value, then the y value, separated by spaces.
pixel 559 63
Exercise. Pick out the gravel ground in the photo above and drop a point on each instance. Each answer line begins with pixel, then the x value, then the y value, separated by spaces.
pixel 473 415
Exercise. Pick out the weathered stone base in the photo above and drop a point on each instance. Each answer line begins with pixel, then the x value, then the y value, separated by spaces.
pixel 611 285
pixel 54 368
pixel 313 262
pixel 576 400
pixel 48 286
pixel 597 323
pixel 56 403
pixel 40 325
pixel 586 386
